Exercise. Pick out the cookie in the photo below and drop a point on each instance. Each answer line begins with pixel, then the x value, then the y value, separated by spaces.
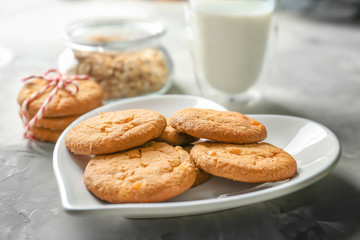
pixel 221 126
pixel 256 162
pixel 201 176
pixel 111 132
pixel 174 137
pixel 54 124
pixel 63 103
pixel 45 135
pixel 153 172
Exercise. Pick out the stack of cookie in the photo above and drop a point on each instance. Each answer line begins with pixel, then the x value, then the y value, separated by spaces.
pixel 130 167
pixel 63 108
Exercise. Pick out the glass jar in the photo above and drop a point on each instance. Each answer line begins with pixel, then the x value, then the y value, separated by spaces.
pixel 124 56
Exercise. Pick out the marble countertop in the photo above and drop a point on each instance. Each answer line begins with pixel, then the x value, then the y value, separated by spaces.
pixel 314 74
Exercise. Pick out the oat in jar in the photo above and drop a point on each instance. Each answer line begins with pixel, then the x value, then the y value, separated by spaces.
pixel 123 56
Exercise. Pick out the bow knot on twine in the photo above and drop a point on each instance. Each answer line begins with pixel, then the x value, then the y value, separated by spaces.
pixel 56 79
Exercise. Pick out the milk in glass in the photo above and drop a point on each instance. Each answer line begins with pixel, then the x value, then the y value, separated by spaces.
pixel 231 37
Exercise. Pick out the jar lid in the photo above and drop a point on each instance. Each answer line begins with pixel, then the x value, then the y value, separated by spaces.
pixel 112 33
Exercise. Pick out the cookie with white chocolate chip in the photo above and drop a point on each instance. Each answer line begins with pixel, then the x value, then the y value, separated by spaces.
pixel 255 162
pixel 153 172
pixel 221 126
pixel 111 132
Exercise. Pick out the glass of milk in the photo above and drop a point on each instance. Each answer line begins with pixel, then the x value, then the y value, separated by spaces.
pixel 229 40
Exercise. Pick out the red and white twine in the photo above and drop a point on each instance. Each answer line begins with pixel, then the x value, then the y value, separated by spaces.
pixel 54 78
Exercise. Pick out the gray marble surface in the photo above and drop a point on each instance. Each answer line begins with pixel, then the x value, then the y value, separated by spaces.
pixel 315 74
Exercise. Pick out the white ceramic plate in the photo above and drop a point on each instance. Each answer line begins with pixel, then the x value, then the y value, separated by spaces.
pixel 314 147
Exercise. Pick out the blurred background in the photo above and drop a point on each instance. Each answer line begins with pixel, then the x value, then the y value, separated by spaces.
pixel 333 10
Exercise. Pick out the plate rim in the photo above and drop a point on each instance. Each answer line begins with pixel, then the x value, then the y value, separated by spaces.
pixel 226 203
